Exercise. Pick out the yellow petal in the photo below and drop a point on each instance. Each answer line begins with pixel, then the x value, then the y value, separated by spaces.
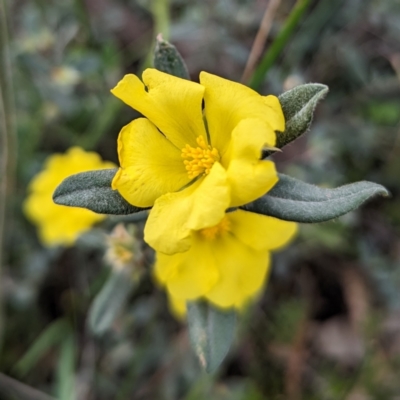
pixel 188 275
pixel 242 271
pixel 150 164
pixel 174 105
pixel 175 215
pixel 177 307
pixel 65 230
pixel 249 177
pixel 277 120
pixel 259 231
pixel 61 225
pixel 227 103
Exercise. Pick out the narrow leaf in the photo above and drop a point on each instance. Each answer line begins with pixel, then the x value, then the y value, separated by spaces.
pixel 167 59
pixel 279 43
pixel 51 336
pixel 298 107
pixel 211 333
pixel 92 190
pixel 108 303
pixel 66 369
pixel 294 200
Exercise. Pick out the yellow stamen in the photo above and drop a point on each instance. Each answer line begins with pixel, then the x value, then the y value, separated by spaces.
pixel 199 160
pixel 217 230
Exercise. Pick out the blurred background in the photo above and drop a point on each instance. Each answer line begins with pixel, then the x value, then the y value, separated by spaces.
pixel 328 324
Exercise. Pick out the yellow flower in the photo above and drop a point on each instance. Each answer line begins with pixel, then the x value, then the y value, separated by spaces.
pixel 61 224
pixel 196 152
pixel 226 264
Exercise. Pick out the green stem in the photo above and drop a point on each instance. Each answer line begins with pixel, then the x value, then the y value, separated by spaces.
pixel 100 125
pixel 160 11
pixel 83 17
pixel 279 43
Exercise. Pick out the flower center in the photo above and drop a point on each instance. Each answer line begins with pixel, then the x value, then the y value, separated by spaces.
pixel 199 160
pixel 217 230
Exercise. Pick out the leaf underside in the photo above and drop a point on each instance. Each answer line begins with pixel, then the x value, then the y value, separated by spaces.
pixel 211 333
pixel 109 302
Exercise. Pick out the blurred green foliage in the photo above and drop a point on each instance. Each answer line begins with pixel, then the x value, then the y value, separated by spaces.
pixel 328 325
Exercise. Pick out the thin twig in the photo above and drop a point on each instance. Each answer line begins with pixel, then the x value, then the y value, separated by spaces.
pixel 279 43
pixel 14 389
pixel 297 360
pixel 3 198
pixel 394 149
pixel 8 93
pixel 7 136
pixel 260 40
pixel 8 141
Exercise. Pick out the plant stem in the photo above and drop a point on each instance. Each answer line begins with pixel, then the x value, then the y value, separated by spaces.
pixel 160 11
pixel 279 43
pixel 260 39
pixel 3 198
pixel 14 389
pixel 7 138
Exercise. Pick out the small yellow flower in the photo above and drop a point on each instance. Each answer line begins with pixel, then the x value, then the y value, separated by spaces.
pixel 226 264
pixel 61 224
pixel 196 152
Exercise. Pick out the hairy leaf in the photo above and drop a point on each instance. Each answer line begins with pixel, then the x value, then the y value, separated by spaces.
pixel 109 302
pixel 298 105
pixel 167 59
pixel 294 200
pixel 92 190
pixel 211 333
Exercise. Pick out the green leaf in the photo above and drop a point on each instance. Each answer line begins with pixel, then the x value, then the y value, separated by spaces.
pixel 167 59
pixel 92 190
pixel 211 333
pixel 294 200
pixel 298 107
pixel 108 303
pixel 66 385
pixel 52 335
pixel 279 43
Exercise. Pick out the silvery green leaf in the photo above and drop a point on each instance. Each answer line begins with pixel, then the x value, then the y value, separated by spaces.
pixel 167 59
pixel 298 106
pixel 92 190
pixel 109 302
pixel 65 374
pixel 211 333
pixel 293 200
